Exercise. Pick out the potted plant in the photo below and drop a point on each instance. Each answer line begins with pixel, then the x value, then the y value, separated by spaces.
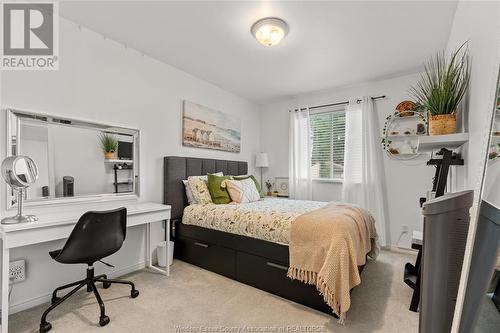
pixel 269 186
pixel 109 145
pixel 441 89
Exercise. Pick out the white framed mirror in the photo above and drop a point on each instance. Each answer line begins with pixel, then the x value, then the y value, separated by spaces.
pixel 73 162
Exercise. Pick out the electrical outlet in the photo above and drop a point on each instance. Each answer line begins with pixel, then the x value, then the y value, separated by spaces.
pixel 17 270
pixel 404 229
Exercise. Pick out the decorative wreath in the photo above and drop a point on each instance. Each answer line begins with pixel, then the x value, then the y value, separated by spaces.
pixel 405 108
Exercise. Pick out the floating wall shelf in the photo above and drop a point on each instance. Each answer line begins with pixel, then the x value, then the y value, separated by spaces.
pixel 428 143
pixel 431 142
pixel 434 142
pixel 402 137
pixel 119 161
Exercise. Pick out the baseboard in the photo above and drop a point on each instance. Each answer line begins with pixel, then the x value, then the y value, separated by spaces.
pixel 30 303
pixel 398 249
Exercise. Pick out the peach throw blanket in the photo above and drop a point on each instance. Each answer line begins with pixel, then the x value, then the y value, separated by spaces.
pixel 326 247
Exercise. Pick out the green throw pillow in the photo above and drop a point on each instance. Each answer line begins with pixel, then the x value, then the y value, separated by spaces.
pixel 259 188
pixel 219 195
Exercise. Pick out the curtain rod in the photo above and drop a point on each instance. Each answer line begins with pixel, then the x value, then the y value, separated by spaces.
pixel 341 103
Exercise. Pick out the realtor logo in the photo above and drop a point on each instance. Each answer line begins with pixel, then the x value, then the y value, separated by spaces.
pixel 29 36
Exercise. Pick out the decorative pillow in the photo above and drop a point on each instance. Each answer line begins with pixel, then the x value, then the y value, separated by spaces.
pixel 199 189
pixel 219 194
pixel 257 184
pixel 205 177
pixel 242 191
pixel 189 191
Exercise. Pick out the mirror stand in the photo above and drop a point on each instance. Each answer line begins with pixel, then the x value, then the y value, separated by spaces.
pixel 19 172
pixel 19 217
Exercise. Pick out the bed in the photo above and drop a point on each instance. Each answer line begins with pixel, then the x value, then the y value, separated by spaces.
pixel 212 238
pixel 269 219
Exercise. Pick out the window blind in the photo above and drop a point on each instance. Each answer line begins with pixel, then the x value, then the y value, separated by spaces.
pixel 328 142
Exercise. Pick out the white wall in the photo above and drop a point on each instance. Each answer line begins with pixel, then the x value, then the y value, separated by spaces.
pixel 102 81
pixel 406 181
pixel 35 145
pixel 479 23
pixel 76 152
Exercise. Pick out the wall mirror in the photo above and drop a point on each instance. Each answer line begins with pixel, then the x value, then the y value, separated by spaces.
pixel 71 159
pixel 481 308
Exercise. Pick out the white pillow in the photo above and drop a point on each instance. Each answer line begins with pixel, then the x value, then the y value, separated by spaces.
pixel 189 192
pixel 242 191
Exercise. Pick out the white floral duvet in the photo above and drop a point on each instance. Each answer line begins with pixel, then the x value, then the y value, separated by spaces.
pixel 269 219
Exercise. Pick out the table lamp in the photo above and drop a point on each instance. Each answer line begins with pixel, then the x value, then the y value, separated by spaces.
pixel 261 161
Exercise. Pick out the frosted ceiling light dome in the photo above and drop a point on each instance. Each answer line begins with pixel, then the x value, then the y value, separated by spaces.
pixel 269 31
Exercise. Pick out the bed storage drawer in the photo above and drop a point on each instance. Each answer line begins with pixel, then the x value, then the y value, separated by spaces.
pixel 261 272
pixel 270 275
pixel 213 257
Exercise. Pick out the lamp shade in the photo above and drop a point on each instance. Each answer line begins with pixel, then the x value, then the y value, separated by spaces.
pixel 261 160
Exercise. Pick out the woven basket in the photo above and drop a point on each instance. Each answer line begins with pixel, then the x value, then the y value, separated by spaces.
pixel 442 124
pixel 109 155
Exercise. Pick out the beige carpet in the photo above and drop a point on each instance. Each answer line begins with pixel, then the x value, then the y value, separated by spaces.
pixel 488 320
pixel 193 299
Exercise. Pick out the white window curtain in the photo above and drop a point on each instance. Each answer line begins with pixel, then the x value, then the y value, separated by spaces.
pixel 300 183
pixel 364 175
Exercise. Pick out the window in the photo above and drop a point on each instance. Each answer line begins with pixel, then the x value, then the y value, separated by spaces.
pixel 328 143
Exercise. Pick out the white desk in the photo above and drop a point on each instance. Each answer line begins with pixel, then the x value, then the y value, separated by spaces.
pixel 53 226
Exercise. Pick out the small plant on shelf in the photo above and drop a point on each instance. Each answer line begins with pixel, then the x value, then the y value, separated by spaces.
pixel 441 89
pixel 269 187
pixel 109 145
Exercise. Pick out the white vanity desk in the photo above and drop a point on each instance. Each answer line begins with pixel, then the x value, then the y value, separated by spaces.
pixel 58 225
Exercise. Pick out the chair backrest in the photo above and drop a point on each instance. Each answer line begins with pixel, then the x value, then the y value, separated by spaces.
pixel 95 236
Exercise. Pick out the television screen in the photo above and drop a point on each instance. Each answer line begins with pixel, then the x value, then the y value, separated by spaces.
pixel 125 150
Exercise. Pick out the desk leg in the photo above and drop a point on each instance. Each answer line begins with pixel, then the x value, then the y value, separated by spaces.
pixel 149 260
pixel 148 245
pixel 5 289
pixel 167 226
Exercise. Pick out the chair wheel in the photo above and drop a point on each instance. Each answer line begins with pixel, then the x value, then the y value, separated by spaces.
pixel 45 327
pixel 104 320
pixel 55 299
pixel 134 293
pixel 106 285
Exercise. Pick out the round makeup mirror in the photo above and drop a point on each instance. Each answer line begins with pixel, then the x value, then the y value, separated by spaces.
pixel 19 172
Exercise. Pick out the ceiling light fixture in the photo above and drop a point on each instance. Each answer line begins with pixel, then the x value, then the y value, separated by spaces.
pixel 269 31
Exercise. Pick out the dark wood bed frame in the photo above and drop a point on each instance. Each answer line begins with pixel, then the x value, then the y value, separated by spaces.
pixel 252 261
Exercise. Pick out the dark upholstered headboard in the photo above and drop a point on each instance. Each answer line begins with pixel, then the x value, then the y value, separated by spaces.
pixel 176 168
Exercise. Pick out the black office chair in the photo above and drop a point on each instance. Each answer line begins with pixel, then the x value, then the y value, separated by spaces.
pixel 95 236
